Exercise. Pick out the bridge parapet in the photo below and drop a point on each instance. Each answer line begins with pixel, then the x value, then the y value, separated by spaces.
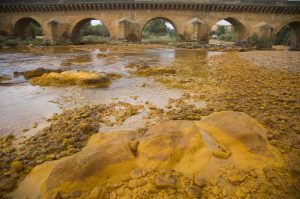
pixel 278 7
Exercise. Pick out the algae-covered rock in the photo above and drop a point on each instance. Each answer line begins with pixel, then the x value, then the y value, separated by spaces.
pixel 69 78
pixel 38 72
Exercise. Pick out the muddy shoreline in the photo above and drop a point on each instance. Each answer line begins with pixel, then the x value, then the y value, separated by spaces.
pixel 266 89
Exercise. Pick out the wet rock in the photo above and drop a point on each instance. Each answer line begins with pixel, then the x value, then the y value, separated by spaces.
pixel 69 78
pixel 38 72
pixel 25 130
pixel 114 76
pixel 17 73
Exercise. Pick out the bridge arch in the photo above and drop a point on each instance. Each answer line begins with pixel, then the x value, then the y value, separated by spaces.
pixel 239 27
pixel 143 25
pixel 294 25
pixel 75 34
pixel 27 27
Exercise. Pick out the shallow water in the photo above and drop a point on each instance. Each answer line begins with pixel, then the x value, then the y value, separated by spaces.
pixel 22 105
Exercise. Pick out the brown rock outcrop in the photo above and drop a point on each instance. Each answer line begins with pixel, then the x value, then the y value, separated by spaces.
pixel 166 151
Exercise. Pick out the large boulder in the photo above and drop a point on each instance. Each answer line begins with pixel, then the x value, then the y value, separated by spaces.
pixel 174 145
pixel 104 157
pixel 202 147
pixel 240 126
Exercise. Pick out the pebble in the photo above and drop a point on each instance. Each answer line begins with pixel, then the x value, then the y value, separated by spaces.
pixel 194 192
pixel 165 181
pixel 136 173
pixel 199 181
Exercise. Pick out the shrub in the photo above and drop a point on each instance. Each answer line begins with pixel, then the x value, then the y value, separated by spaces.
pixel 92 39
pixel 283 37
pixel 261 42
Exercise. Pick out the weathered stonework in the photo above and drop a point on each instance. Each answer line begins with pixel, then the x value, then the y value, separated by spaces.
pixel 126 20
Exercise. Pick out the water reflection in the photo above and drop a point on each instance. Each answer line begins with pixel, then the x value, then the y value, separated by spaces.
pixel 22 104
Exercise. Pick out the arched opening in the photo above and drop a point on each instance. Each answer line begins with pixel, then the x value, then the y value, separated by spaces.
pixel 28 28
pixel 159 30
pixel 89 31
pixel 228 30
pixel 289 35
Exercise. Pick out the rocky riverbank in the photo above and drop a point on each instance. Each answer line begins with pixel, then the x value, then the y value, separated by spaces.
pixel 175 159
pixel 66 135
pixel 248 82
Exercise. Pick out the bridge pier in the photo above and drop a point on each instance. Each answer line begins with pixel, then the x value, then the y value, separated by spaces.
pixel 56 31
pixel 295 40
pixel 6 28
pixel 128 30
pixel 195 30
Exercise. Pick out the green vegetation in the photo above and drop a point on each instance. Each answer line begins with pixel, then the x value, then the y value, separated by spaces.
pixel 283 37
pixel 36 30
pixel 10 41
pixel 261 42
pixel 224 35
pixel 157 31
pixel 90 34
pixel 96 30
pixel 92 39
pixel 220 31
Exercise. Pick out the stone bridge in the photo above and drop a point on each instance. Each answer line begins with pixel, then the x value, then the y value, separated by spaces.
pixel 125 19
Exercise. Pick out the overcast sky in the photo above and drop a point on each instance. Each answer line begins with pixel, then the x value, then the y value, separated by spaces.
pixel 223 23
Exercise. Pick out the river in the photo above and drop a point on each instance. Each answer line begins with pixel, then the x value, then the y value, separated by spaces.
pixel 23 105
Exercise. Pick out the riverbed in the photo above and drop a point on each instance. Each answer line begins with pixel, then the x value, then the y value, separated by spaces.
pixel 24 106
pixel 152 84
